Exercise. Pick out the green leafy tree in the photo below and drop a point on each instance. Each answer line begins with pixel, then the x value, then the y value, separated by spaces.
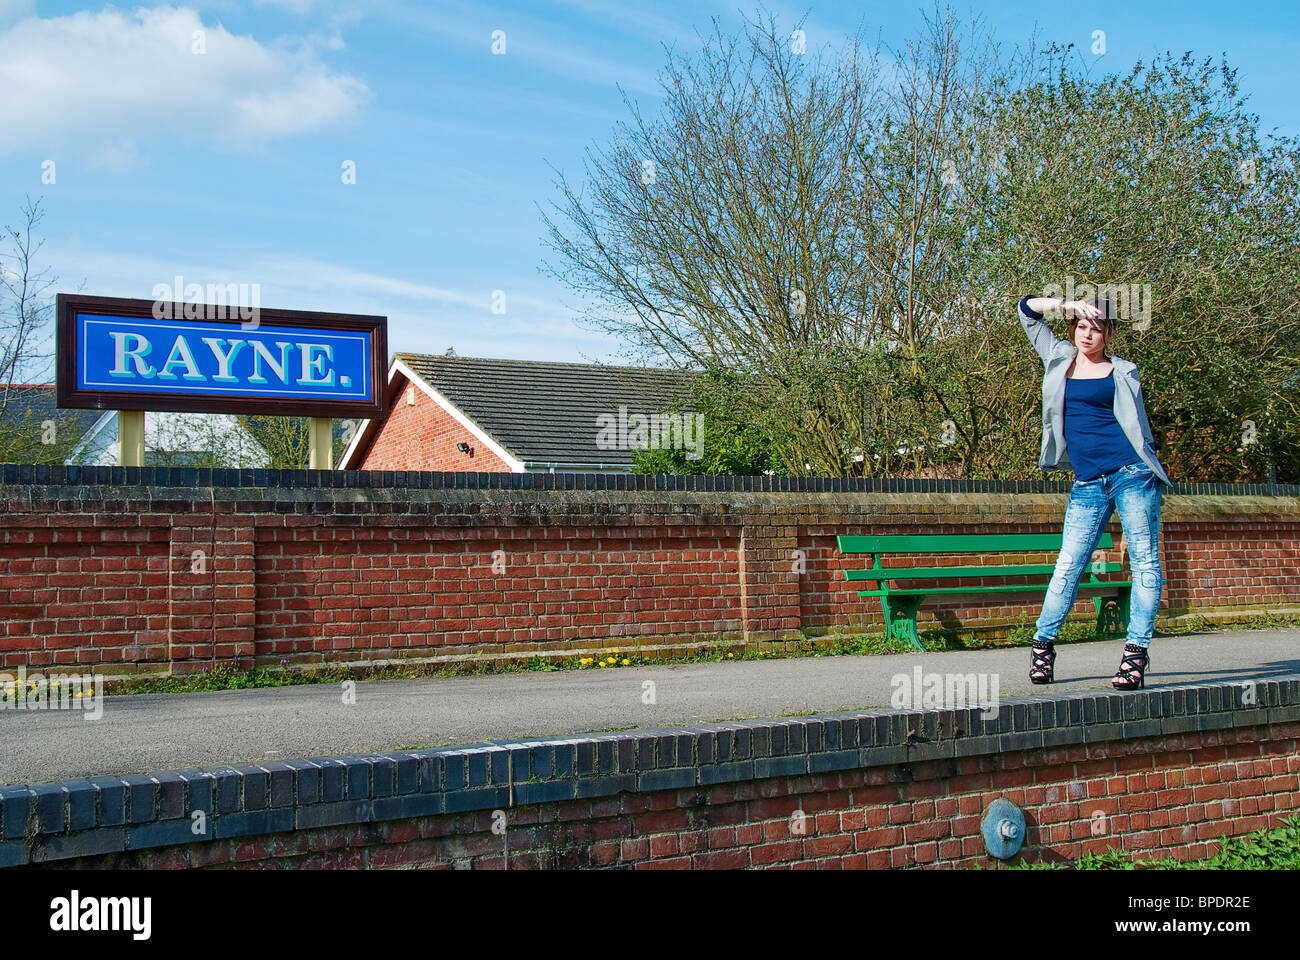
pixel 731 445
pixel 1159 181
pixel 285 439
pixel 28 437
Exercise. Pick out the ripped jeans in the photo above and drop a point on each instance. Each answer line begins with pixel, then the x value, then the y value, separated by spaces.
pixel 1136 492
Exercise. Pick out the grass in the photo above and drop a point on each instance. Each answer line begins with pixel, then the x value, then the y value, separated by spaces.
pixel 227 677
pixel 1277 849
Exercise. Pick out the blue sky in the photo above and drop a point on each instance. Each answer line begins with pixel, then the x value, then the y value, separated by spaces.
pixel 226 166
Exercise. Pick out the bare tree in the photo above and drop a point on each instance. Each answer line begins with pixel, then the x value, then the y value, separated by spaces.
pixel 26 307
pixel 792 215
pixel 724 230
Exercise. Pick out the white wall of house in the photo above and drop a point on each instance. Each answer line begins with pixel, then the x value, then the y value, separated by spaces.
pixel 175 439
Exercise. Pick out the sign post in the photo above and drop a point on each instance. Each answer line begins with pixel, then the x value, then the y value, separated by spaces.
pixel 138 355
pixel 320 444
pixel 130 438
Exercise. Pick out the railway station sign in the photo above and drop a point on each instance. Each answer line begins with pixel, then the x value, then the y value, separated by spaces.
pixel 116 354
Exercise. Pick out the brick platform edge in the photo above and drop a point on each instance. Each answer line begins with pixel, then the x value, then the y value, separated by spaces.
pixel 1159 772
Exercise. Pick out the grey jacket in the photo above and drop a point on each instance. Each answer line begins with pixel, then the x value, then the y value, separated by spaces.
pixel 1057 356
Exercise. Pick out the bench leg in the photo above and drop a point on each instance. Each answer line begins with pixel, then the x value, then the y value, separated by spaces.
pixel 900 619
pixel 1112 614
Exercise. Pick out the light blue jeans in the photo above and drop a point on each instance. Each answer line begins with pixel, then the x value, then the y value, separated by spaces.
pixel 1135 491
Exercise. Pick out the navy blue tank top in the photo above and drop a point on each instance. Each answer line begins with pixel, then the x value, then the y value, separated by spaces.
pixel 1094 439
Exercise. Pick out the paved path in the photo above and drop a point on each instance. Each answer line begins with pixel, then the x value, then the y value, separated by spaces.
pixel 140 734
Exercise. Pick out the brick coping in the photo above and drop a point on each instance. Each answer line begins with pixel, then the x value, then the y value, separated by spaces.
pixel 195 478
pixel 109 814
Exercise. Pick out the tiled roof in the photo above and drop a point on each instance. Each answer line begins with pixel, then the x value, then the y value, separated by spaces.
pixel 547 412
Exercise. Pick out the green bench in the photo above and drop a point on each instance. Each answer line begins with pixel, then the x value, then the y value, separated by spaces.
pixel 900 605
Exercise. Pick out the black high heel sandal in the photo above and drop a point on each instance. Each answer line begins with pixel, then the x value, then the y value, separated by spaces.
pixel 1132 669
pixel 1042 662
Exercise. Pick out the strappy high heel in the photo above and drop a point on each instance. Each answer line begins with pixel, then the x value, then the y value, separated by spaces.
pixel 1132 668
pixel 1042 662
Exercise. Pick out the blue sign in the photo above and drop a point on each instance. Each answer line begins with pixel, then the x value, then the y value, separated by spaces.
pixel 131 355
pixel 117 354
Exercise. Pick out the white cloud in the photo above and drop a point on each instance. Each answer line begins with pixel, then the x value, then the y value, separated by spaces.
pixel 299 7
pixel 109 77
pixel 422 317
pixel 116 155
pixel 11 10
pixel 641 18
pixel 538 42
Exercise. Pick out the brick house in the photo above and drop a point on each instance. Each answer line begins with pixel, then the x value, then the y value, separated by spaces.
pixel 472 414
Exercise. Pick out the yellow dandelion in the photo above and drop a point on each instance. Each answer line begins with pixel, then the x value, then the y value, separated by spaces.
pixel 730 656
pixel 602 663
pixel 626 662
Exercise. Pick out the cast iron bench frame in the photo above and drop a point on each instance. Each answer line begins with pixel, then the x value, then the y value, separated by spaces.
pixel 900 606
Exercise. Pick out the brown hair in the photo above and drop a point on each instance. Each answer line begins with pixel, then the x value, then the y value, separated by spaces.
pixel 1108 323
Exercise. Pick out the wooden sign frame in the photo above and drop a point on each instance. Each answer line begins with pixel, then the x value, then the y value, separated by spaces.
pixel 69 394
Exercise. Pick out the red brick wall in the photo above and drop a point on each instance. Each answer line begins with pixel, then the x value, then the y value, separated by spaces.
pixel 147 578
pixel 423 436
pixel 81 589
pixel 386 591
pixel 1155 796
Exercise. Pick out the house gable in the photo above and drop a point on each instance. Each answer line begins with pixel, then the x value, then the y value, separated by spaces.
pixel 421 431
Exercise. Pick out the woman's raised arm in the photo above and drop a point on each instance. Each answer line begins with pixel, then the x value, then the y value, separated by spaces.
pixel 1040 334
pixel 1031 319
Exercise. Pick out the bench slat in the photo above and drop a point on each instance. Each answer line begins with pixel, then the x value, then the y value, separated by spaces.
pixel 958 543
pixel 1026 588
pixel 908 573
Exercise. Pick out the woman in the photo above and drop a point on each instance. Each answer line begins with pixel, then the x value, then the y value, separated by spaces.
pixel 1094 423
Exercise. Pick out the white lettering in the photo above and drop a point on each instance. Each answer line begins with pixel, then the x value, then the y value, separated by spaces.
pixel 224 359
pixel 312 365
pixel 260 353
pixel 181 355
pixel 137 352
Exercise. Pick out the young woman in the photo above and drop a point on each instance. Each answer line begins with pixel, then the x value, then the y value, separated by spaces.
pixel 1095 424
